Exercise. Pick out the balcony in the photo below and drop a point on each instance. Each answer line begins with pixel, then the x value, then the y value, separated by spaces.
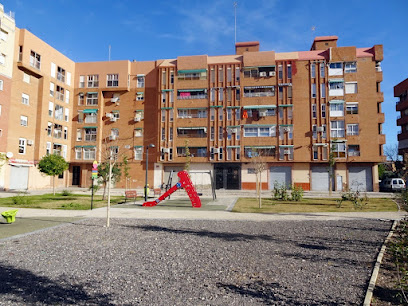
pixel 192 132
pixel 401 105
pixel 381 139
pixel 380 97
pixel 379 76
pixel 381 118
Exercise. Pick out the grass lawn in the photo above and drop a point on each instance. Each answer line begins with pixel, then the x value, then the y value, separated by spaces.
pixel 250 205
pixel 49 201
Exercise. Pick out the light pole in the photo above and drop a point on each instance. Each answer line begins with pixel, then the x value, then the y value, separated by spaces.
pixel 147 161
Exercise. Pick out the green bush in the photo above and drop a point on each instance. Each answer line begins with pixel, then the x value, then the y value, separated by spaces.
pixel 353 197
pixel 66 193
pixel 297 193
pixel 20 200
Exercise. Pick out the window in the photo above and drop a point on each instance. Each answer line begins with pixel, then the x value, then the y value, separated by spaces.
pixel 140 96
pixel 92 98
pixel 352 108
pixel 352 129
pixel 35 60
pixel 93 80
pixel 49 129
pixel 212 132
pixel 229 153
pixel 65 133
pixel 237 72
pixel 112 80
pixel 58 131
pixel 163 134
pixel 163 115
pixel 22 142
pixel 90 134
pixel 91 118
pixel 289 88
pixel 78 153
pixel 58 149
pixel 260 131
pixel 61 74
pixel 289 111
pixel 229 114
pixel 81 100
pixel 171 115
pixel 323 110
pixel 138 151
pixel 171 77
pixel 59 112
pixel 25 99
pixel 238 94
pixel 23 120
pixel 237 153
pixel 335 69
pixel 221 94
pixel 322 70
pixel 26 77
pixel 229 94
pixel 280 72
pixel 3 35
pixel 313 90
pixel 140 81
pixel 353 150
pixel 323 90
pixel 48 148
pixel 351 87
pixel 289 71
pixel 53 69
pixel 339 149
pixel 60 93
pixel 220 114
pixel 80 116
pixel 50 108
pixel 350 67
pixel 1 84
pixel 314 131
pixel 324 153
pixel 163 97
pixel 164 78
pixel 324 133
pixel 288 151
pixel 336 88
pixel 89 153
pixel 67 96
pixel 229 74
pixel 280 92
pixel 220 75
pixel 313 70
pixel 212 94
pixel 212 114
pixel 220 133
pixel 337 129
pixel 66 114
pixel 315 152
pixel 314 111
pixel 237 114
pixel 79 135
pixel 336 110
pixel 81 81
pixel 280 112
pixel 2 59
pixel 171 94
pixel 52 89
pixel 212 75
pixel 171 134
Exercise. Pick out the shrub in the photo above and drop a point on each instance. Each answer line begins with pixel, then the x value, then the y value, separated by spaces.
pixel 20 200
pixel 66 193
pixel 297 193
pixel 353 197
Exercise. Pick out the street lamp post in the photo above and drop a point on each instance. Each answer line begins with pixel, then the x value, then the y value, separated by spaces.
pixel 147 161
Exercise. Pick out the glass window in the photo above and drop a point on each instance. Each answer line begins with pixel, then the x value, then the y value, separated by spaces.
pixel 322 70
pixel 352 129
pixel 323 110
pixel 93 80
pixel 313 70
pixel 352 108
pixel 22 142
pixel 25 99
pixel 112 80
pixel 314 111
pixel 92 99
pixel 351 88
pixel 350 67
pixel 23 120
pixel 337 129
pixel 138 153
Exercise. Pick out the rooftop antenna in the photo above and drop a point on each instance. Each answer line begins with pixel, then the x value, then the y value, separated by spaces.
pixel 313 32
pixel 109 51
pixel 235 14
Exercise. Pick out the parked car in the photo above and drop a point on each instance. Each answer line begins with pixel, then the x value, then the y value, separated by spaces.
pixel 392 184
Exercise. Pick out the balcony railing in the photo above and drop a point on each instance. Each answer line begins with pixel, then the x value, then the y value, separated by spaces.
pixel 259 94
pixel 192 97
pixel 192 135
pixel 354 153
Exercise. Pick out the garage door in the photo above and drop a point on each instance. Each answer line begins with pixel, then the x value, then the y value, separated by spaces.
pixel 360 178
pixel 280 175
pixel 19 178
pixel 320 178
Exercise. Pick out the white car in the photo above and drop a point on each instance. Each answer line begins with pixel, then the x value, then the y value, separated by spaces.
pixel 393 184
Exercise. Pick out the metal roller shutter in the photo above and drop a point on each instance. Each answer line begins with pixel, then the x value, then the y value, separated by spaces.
pixel 360 178
pixel 19 178
pixel 320 178
pixel 280 175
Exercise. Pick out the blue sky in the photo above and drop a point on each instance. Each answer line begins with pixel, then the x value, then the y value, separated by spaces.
pixel 149 30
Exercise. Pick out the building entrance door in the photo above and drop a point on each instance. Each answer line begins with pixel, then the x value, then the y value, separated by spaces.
pixel 227 176
pixel 76 174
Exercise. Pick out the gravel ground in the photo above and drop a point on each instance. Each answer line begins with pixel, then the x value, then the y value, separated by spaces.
pixel 178 262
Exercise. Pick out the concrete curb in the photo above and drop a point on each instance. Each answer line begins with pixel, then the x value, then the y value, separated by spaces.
pixel 373 279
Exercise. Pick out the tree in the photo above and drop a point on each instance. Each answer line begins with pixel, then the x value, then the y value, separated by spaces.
pixel 332 164
pixel 188 156
pixel 53 165
pixel 126 169
pixel 103 173
pixel 3 159
pixel 259 165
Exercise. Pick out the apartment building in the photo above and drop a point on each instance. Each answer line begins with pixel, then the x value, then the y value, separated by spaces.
pixel 401 92
pixel 7 34
pixel 222 115
pixel 287 110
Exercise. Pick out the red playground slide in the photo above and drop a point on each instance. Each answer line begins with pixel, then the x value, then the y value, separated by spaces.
pixel 185 182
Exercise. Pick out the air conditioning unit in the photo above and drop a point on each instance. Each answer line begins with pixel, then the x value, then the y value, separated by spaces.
pixel 216 150
pixel 234 130
pixel 30 142
pixel 166 150
pixel 262 74
pixel 113 119
pixel 115 100
pixel 137 119
pixel 320 129
pixel 127 146
pixel 112 137
pixel 109 115
pixel 272 73
pixel 286 129
pixel 286 151
pixel 263 113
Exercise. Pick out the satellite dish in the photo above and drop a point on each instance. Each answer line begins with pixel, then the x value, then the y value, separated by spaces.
pixel 9 154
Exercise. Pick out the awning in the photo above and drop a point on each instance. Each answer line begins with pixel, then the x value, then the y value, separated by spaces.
pixel 88 111
pixel 163 108
pixel 352 103
pixel 233 147
pixel 321 144
pixel 78 146
pixel 233 126
pixel 285 124
pixel 338 140
pixel 140 92
pixel 140 75
pixel 166 90
pixel 192 128
pixel 192 90
pixel 255 87
pixel 336 80
pixel 139 110
pixel 192 71
pixel 89 146
pixel 139 128
pixel 285 105
pixel 259 147
pixel 115 111
pixel 258 125
pixel 285 146
pixel 216 106
pixel 233 106
pixel 188 108
pixel 138 146
pixel 92 92
pixel 251 67
pixel 90 127
pixel 259 106
pixel 336 102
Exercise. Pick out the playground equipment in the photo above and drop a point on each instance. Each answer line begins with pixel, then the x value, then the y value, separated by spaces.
pixel 10 215
pixel 185 182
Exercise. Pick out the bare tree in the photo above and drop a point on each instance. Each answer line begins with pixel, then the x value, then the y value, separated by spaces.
pixel 259 165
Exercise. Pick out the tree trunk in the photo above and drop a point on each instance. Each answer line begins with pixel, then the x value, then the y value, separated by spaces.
pixel 330 181
pixel 260 190
pixel 109 184
pixel 53 184
pixel 104 191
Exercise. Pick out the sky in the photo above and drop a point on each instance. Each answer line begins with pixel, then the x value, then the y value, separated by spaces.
pixel 150 30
